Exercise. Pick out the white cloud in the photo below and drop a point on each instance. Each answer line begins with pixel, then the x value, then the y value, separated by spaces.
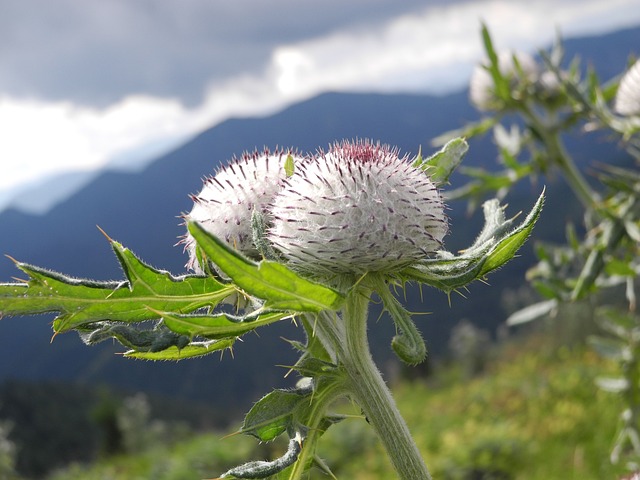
pixel 40 138
pixel 432 50
pixel 420 51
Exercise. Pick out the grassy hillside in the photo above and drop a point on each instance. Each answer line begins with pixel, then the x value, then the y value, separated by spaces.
pixel 533 414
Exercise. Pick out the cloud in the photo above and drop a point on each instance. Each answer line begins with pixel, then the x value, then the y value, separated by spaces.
pixel 96 53
pixel 40 138
pixel 432 50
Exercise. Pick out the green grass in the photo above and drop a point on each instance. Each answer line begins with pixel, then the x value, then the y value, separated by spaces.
pixel 535 414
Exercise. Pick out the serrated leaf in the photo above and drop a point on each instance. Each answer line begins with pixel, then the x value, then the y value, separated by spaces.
pixel 443 163
pixel 218 326
pixel 194 349
pixel 282 288
pixel 80 302
pixel 272 414
pixel 506 248
pixel 496 244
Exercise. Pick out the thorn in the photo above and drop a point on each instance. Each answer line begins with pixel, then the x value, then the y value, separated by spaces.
pixel 421 313
pixel 12 259
pixel 229 435
pixel 109 239
pixel 21 280
pixel 55 334
pixel 460 293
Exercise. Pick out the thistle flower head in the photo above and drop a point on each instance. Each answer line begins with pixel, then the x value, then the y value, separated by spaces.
pixel 481 87
pixel 627 100
pixel 356 208
pixel 226 203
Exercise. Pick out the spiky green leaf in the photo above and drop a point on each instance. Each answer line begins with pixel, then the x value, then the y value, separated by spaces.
pixel 282 288
pixel 194 349
pixel 80 302
pixel 497 243
pixel 272 415
pixel 218 326
pixel 443 163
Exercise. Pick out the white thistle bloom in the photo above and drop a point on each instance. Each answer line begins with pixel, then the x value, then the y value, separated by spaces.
pixel 358 207
pixel 627 100
pixel 481 86
pixel 226 203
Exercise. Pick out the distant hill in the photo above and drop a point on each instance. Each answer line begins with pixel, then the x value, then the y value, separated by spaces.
pixel 140 210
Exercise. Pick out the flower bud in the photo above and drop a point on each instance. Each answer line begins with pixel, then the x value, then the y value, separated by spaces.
pixel 627 100
pixel 357 208
pixel 481 87
pixel 228 199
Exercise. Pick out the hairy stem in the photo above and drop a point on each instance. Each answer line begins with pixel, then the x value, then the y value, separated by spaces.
pixel 561 158
pixel 367 387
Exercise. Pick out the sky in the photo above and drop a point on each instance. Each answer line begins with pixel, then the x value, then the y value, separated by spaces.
pixel 84 85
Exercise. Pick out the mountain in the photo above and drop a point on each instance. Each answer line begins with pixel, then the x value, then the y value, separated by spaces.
pixel 37 197
pixel 140 210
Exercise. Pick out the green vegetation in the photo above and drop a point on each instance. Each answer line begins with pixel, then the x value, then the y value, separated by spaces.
pixel 533 414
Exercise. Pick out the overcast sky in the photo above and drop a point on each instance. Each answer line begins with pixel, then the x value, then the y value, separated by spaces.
pixel 85 82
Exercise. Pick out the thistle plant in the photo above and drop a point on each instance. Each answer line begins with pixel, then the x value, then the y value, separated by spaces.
pixel 304 238
pixel 531 109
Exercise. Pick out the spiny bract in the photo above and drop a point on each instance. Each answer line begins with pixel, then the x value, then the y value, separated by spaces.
pixel 357 208
pixel 226 203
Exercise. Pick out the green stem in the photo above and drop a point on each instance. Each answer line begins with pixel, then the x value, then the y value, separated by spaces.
pixel 367 387
pixel 561 158
pixel 316 415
